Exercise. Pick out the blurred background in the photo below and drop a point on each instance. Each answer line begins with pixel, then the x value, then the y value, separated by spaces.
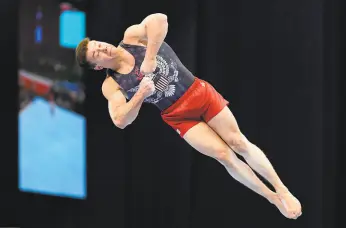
pixel 51 122
pixel 64 164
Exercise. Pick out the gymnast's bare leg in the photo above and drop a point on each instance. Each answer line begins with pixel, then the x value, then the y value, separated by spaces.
pixel 205 140
pixel 225 125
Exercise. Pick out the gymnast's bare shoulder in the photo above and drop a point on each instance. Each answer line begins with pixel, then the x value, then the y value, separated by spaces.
pixel 110 88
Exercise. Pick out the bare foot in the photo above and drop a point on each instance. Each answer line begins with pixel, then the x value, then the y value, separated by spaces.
pixel 290 202
pixel 283 208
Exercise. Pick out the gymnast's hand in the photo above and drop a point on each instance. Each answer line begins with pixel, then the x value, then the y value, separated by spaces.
pixel 148 65
pixel 146 87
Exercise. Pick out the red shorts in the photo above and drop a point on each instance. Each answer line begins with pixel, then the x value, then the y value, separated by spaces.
pixel 201 102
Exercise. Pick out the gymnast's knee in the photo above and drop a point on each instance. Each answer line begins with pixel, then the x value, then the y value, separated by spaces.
pixel 238 142
pixel 224 155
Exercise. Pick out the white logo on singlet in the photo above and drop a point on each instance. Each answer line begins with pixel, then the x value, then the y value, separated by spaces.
pixel 163 87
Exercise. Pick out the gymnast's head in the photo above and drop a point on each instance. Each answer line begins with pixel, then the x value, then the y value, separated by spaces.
pixel 97 55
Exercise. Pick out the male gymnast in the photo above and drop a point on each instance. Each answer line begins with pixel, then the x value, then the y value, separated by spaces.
pixel 145 69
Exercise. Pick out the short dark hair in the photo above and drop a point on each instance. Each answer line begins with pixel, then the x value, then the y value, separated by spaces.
pixel 81 52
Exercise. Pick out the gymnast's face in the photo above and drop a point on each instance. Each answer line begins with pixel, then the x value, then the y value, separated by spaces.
pixel 101 54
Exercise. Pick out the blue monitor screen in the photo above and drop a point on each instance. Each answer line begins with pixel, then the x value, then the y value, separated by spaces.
pixel 51 148
pixel 72 28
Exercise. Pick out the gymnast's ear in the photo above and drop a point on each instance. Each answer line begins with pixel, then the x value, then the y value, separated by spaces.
pixel 97 67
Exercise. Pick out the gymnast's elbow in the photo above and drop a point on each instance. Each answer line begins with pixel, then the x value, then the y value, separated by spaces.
pixel 117 120
pixel 120 123
pixel 156 19
pixel 159 17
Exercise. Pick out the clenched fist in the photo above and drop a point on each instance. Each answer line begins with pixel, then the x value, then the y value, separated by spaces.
pixel 147 87
pixel 148 66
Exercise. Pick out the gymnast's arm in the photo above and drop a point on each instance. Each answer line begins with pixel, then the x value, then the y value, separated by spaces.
pixel 121 112
pixel 151 31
